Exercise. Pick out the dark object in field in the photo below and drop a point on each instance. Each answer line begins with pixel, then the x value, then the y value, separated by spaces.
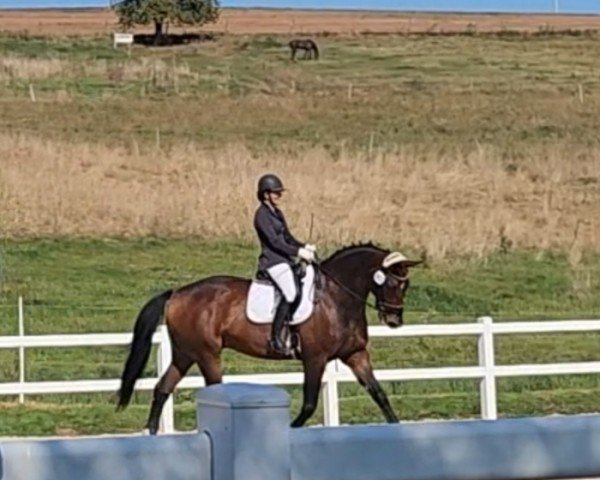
pixel 209 315
pixel 311 51
pixel 170 39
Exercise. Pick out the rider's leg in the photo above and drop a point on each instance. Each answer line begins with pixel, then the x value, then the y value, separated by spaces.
pixel 284 280
pixel 282 315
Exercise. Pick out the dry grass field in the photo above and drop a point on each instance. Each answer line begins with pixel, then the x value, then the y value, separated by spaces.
pixel 435 202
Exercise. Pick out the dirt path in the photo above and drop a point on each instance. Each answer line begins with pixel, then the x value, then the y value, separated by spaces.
pixel 103 21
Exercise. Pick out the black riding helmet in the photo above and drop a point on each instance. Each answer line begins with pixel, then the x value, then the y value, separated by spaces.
pixel 269 183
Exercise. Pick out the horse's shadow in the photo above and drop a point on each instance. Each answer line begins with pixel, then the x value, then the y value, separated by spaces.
pixel 171 39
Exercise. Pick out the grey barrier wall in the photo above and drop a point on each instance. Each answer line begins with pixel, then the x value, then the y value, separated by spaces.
pixel 244 434
pixel 545 448
pixel 174 457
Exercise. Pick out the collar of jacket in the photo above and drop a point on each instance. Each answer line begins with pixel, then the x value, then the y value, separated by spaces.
pixel 274 210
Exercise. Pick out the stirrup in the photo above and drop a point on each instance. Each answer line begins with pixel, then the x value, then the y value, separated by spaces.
pixel 279 347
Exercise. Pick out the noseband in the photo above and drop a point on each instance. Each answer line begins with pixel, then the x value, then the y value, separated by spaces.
pixel 389 308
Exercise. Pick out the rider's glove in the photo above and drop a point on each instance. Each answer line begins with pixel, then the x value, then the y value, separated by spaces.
pixel 306 254
pixel 312 248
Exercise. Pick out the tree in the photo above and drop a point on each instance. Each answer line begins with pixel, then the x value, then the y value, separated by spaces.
pixel 159 12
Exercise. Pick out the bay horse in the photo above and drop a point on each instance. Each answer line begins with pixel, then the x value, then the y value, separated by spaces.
pixel 311 51
pixel 209 315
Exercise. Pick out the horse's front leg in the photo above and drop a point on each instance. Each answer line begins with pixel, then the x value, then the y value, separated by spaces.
pixel 360 363
pixel 313 373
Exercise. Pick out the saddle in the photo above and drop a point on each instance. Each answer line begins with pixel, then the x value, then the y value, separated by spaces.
pixel 263 298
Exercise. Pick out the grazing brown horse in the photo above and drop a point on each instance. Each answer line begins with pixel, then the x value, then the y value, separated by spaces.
pixel 209 315
pixel 311 51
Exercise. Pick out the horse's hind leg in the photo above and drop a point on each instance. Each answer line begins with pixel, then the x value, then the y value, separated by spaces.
pixel 313 373
pixel 360 364
pixel 165 386
pixel 210 366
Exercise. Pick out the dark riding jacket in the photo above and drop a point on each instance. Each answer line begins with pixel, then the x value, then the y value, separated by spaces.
pixel 276 242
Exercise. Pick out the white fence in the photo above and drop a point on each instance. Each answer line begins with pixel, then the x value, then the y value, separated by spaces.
pixel 486 371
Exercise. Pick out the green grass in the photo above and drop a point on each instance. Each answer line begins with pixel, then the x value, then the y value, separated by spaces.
pixel 72 285
pixel 66 48
pixel 414 90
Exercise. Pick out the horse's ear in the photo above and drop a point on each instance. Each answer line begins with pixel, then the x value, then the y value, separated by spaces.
pixel 411 263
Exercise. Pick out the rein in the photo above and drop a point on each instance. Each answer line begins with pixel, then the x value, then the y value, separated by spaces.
pixel 379 306
pixel 344 287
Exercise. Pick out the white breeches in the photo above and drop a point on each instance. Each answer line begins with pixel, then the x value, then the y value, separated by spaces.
pixel 282 275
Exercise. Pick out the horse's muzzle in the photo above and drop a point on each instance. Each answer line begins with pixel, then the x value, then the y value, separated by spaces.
pixel 390 314
pixel 392 320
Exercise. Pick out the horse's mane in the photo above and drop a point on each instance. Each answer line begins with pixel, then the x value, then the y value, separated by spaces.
pixel 353 246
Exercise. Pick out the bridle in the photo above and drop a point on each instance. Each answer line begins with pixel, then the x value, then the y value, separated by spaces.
pixel 391 308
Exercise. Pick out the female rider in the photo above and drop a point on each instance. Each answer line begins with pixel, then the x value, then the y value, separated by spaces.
pixel 278 251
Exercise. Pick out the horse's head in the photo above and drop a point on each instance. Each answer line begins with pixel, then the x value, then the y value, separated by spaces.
pixel 364 268
pixel 390 283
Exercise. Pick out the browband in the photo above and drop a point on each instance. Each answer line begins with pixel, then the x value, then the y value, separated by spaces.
pixel 392 259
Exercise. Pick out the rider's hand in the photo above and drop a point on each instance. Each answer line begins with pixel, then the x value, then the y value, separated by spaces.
pixel 311 247
pixel 306 254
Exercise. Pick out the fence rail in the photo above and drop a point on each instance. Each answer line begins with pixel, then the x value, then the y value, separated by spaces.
pixel 486 370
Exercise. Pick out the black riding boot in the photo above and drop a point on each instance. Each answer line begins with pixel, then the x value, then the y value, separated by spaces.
pixel 281 316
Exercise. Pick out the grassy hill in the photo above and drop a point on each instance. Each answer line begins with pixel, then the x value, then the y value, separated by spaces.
pixel 443 144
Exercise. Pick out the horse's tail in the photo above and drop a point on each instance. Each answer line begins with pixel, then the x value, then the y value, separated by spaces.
pixel 145 326
pixel 315 49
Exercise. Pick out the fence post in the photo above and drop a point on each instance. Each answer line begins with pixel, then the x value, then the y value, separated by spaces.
pixel 249 430
pixel 331 410
pixel 487 386
pixel 163 360
pixel 21 350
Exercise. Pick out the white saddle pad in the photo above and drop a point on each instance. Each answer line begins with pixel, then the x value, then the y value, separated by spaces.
pixel 263 299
